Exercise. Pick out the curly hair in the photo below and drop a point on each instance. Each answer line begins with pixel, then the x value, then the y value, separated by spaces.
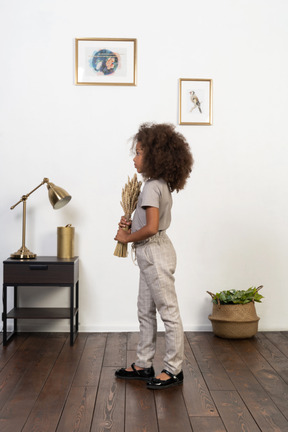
pixel 166 154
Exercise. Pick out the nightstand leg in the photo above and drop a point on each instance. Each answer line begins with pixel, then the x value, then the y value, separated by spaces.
pixel 71 313
pixel 77 306
pixel 15 306
pixel 4 314
pixel 73 333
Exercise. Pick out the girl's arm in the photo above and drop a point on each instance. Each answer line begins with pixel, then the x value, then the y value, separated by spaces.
pixel 151 228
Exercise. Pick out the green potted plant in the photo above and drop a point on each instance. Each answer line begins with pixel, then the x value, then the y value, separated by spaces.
pixel 234 313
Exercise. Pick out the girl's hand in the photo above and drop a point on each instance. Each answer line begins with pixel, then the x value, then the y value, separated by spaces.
pixel 124 223
pixel 123 235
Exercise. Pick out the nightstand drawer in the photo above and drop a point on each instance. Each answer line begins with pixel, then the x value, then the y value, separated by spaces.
pixel 34 273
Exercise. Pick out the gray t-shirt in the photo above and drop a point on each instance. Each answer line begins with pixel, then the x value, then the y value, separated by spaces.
pixel 155 193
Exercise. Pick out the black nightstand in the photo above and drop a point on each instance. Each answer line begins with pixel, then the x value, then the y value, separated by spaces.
pixel 41 271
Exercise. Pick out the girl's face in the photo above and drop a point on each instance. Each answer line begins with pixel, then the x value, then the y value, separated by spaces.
pixel 138 159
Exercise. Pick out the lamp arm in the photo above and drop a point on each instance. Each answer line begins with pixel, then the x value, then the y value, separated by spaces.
pixel 24 197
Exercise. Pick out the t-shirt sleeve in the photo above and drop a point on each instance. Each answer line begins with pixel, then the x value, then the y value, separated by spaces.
pixel 151 195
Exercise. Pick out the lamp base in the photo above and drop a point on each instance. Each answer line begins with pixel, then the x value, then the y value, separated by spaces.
pixel 23 253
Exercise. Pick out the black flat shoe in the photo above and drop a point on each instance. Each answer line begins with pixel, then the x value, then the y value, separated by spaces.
pixel 143 374
pixel 174 380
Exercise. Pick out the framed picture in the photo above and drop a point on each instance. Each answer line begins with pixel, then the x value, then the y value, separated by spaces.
pixel 195 101
pixel 105 61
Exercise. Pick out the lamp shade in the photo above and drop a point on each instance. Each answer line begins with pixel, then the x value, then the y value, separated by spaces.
pixel 58 197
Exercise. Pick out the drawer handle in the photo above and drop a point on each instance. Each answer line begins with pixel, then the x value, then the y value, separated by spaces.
pixel 38 267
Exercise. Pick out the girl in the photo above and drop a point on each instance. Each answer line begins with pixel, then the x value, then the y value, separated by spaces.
pixel 164 159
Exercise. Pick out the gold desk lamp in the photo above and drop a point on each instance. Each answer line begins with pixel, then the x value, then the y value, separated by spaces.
pixel 58 198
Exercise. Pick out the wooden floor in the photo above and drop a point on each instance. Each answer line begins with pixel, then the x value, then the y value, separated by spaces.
pixel 47 386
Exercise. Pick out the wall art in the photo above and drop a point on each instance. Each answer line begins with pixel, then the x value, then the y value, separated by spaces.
pixel 101 61
pixel 195 101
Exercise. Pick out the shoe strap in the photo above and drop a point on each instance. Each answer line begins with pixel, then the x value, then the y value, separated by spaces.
pixel 134 369
pixel 170 374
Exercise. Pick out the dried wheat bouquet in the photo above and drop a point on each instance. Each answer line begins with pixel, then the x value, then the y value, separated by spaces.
pixel 130 194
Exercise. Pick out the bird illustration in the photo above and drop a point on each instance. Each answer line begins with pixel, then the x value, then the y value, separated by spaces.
pixel 195 101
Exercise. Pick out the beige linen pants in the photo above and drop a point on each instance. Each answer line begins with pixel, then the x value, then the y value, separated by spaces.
pixel 156 258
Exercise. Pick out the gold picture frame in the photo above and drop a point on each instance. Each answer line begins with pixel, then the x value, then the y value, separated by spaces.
pixel 195 101
pixel 105 61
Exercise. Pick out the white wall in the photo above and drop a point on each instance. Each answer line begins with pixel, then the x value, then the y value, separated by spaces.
pixel 229 224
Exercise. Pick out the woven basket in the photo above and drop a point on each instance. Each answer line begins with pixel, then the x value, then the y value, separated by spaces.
pixel 237 321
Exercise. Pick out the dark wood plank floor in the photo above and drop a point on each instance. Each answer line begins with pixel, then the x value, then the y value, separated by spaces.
pixel 229 385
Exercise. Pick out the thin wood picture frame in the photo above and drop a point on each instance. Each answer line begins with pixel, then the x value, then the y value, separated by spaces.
pixel 100 61
pixel 195 101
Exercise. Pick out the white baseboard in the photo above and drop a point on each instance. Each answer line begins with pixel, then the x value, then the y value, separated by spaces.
pixel 32 326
